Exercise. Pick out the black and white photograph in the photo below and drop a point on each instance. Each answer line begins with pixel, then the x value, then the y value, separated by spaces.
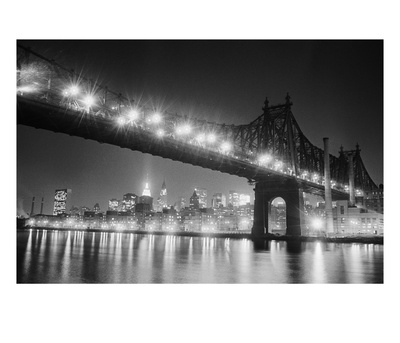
pixel 203 172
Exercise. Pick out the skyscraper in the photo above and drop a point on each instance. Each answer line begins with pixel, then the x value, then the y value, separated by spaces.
pixel 129 202
pixel 162 200
pixel 218 200
pixel 194 202
pixel 61 197
pixel 202 194
pixel 233 199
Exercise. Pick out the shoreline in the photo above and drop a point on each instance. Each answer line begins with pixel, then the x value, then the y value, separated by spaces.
pixel 267 237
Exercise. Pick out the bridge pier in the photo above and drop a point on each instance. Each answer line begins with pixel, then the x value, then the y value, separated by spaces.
pixel 290 191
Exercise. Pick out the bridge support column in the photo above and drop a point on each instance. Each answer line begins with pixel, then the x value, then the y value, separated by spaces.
pixel 266 192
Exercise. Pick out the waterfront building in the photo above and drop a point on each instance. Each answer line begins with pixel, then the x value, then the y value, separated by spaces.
pixel 356 220
pixel 208 219
pixel 92 220
pixel 170 219
pixel 373 199
pixel 83 210
pixel 153 221
pixel 202 194
pixel 191 218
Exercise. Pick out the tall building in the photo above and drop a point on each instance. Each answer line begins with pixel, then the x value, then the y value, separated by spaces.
pixel 233 199
pixel 129 202
pixel 202 194
pixel 181 203
pixel 244 199
pixel 61 199
pixel 162 201
pixel 146 191
pixel 113 205
pixel 218 200
pixel 194 202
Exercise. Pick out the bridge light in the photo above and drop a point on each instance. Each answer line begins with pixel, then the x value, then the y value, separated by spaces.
pixel 264 158
pixel 226 146
pixel 183 129
pixel 156 118
pixel 121 121
pixel 133 114
pixel 160 133
pixel 89 101
pixel 211 138
pixel 201 137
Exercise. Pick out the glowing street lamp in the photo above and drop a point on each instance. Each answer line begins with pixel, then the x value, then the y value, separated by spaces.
pixel 201 138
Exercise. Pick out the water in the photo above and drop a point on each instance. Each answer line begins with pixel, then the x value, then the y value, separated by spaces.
pixel 45 256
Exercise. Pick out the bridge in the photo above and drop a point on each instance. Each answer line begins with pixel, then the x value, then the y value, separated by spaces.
pixel 271 152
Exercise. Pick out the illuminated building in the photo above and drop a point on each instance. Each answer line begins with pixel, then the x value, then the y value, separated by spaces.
pixel 218 200
pixel 373 199
pixel 181 203
pixel 162 200
pixel 145 198
pixel 191 219
pixel 96 208
pixel 61 199
pixel 233 199
pixel 356 220
pixel 194 202
pixel 202 194
pixel 113 205
pixel 83 210
pixel 170 219
pixel 244 199
pixel 208 219
pixel 146 191
pixel 129 202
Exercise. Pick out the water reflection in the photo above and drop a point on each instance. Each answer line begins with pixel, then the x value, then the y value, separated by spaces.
pixel 81 257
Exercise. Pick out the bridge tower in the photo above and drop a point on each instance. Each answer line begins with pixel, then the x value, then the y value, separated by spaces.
pixel 287 189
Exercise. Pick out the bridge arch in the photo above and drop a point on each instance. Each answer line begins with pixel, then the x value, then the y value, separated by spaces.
pixel 277 216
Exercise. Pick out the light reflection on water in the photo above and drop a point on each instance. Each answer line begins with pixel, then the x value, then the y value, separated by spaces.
pixel 87 257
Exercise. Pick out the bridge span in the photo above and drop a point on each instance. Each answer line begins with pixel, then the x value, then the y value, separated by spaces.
pixel 271 151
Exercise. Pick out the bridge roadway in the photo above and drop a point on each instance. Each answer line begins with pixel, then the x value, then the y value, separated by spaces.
pixel 42 115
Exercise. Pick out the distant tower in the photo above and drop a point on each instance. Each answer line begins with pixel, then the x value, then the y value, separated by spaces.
pixel 202 194
pixel 41 207
pixel 129 202
pixel 146 191
pixel 33 206
pixel 194 202
pixel 163 196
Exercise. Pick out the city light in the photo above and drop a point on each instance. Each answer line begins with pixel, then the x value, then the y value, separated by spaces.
pixel 317 223
pixel 26 89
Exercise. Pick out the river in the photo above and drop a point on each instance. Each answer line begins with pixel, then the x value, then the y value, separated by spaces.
pixel 46 256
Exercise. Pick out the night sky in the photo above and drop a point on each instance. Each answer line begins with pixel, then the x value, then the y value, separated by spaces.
pixel 336 88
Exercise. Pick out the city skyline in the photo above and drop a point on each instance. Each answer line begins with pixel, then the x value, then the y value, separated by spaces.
pixel 99 172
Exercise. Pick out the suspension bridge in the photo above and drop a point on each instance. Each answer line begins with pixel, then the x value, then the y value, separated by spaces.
pixel 271 151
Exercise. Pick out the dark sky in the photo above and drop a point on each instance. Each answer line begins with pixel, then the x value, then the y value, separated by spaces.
pixel 336 88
